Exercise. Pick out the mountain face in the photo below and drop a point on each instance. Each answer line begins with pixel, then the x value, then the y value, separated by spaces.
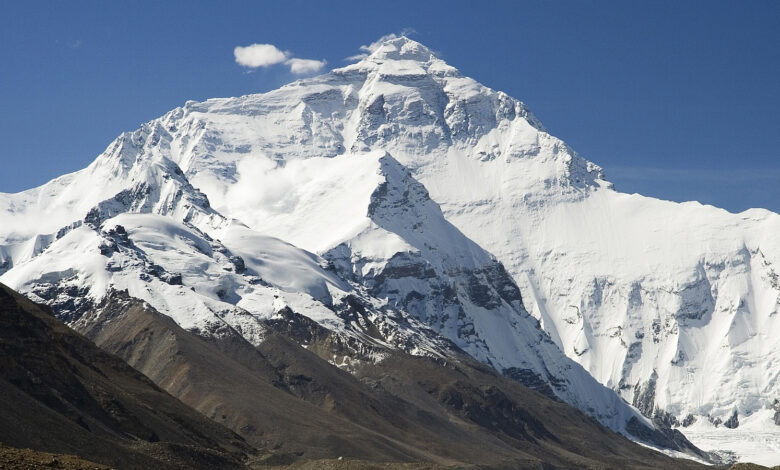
pixel 61 393
pixel 405 207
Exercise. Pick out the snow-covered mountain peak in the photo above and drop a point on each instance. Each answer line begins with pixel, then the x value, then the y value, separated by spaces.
pixel 401 99
pixel 401 48
pixel 435 197
pixel 401 58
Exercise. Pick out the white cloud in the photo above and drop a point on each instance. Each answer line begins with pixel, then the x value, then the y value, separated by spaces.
pixel 261 190
pixel 355 57
pixel 302 66
pixel 375 45
pixel 259 55
pixel 265 55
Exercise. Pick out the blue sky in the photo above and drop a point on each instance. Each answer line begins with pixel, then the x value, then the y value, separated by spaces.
pixel 678 99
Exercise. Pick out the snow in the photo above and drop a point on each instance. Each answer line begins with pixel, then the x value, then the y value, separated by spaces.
pixel 755 440
pixel 289 268
pixel 691 285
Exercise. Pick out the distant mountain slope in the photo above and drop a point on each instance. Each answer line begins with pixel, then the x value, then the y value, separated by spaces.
pixel 61 393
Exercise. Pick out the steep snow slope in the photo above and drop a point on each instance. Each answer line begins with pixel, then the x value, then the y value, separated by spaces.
pixel 206 285
pixel 669 304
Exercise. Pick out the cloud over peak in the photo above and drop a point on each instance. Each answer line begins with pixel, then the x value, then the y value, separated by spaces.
pixel 266 55
pixel 368 49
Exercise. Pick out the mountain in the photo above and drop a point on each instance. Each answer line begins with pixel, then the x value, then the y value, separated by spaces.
pixel 236 278
pixel 400 205
pixel 61 393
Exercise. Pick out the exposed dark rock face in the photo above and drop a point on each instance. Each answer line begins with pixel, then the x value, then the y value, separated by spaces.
pixel 442 288
pixel 644 396
pixel 776 408
pixel 238 264
pixel 716 421
pixel 688 420
pixel 733 421
pixel 666 437
pixel 405 265
pixel 696 300
pixel 123 201
pixel 531 380
pixel 665 420
pixel 68 298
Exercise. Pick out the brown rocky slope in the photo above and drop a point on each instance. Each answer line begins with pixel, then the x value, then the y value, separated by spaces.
pixel 62 394
pixel 287 399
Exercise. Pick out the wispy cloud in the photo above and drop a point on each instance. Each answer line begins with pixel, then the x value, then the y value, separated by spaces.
pixel 368 49
pixel 266 55
pixel 75 44
pixel 304 66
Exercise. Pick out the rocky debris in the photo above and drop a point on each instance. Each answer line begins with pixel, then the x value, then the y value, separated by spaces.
pixel 688 420
pixel 154 270
pixel 113 238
